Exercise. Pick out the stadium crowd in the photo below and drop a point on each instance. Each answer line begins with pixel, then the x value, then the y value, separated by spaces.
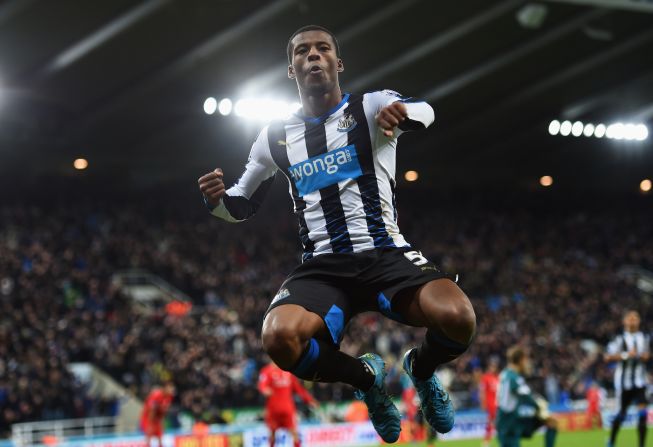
pixel 551 281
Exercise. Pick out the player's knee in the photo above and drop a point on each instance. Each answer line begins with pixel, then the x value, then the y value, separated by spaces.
pixel 283 344
pixel 448 311
pixel 458 320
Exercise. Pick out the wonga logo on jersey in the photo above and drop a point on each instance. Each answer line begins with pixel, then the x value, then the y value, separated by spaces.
pixel 326 169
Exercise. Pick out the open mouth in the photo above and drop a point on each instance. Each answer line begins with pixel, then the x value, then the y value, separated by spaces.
pixel 315 69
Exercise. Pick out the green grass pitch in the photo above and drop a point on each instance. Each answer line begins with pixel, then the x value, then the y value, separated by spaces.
pixel 595 438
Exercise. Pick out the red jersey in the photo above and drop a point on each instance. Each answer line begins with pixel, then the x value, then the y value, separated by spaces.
pixel 488 388
pixel 156 406
pixel 593 399
pixel 408 396
pixel 281 384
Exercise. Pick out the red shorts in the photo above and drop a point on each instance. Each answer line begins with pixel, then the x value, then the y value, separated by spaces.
pixel 280 420
pixel 152 428
pixel 491 413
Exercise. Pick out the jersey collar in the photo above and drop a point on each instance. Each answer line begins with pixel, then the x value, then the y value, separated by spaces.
pixel 327 114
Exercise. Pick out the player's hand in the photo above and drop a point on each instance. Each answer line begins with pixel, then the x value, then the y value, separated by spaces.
pixel 212 186
pixel 391 116
pixel 632 354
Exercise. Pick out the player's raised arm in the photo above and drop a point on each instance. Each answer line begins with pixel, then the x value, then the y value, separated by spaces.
pixel 302 392
pixel 242 200
pixel 397 114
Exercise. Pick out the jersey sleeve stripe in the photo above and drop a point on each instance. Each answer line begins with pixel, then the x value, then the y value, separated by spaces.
pixel 420 115
pixel 241 208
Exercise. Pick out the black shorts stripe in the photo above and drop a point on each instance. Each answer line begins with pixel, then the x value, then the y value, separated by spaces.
pixel 636 396
pixel 367 183
pixel 279 152
pixel 334 213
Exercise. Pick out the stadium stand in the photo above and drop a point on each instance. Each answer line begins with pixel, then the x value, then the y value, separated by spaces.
pixel 548 281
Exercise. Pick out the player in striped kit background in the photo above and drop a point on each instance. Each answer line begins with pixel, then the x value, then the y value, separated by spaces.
pixel 630 350
pixel 338 154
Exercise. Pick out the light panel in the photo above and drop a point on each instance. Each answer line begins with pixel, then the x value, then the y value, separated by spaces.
pixel 614 131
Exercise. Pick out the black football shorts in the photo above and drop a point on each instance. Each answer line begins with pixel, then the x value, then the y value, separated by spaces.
pixel 633 396
pixel 337 286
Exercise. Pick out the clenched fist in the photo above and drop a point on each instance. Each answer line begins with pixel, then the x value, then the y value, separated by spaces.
pixel 212 186
pixel 391 116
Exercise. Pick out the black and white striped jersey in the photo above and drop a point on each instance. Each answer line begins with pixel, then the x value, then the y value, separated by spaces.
pixel 630 372
pixel 341 173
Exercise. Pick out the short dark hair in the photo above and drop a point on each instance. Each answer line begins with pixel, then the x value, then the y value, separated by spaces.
pixel 303 29
pixel 515 354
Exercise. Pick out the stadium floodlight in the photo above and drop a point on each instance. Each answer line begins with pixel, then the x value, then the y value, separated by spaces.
pixel 264 109
pixel 645 185
pixel 80 164
pixel 210 105
pixel 641 132
pixel 554 127
pixel 615 131
pixel 411 176
pixel 630 131
pixel 577 129
pixel 627 131
pixel 599 131
pixel 565 128
pixel 225 106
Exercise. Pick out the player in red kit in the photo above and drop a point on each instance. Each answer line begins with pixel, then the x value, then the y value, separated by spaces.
pixel 418 428
pixel 278 386
pixel 594 397
pixel 155 408
pixel 488 394
pixel 411 407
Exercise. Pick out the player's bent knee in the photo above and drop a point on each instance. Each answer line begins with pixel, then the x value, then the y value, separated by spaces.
pixel 458 320
pixel 283 344
pixel 286 332
pixel 448 310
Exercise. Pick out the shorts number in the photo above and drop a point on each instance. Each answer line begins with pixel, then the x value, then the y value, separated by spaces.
pixel 416 258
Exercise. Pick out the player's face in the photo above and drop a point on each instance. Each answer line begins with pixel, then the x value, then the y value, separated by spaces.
pixel 525 366
pixel 315 65
pixel 631 322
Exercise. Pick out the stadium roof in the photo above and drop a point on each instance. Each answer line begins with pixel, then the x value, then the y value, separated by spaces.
pixel 122 83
